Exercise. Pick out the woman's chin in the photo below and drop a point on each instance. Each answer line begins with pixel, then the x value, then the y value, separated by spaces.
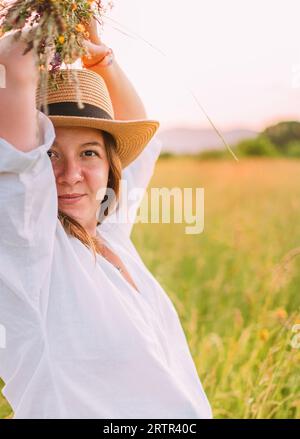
pixel 72 210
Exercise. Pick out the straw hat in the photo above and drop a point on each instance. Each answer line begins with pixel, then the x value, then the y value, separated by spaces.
pixel 131 136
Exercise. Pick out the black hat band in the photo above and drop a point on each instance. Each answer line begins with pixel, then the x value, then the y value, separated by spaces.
pixel 72 109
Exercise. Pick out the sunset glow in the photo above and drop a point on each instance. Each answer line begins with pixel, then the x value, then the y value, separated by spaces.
pixel 241 59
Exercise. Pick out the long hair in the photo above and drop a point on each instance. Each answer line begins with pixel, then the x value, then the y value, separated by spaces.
pixel 71 226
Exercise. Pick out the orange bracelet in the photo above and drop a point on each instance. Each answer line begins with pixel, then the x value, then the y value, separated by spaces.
pixel 110 61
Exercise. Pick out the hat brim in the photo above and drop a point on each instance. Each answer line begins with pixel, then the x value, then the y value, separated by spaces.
pixel 131 136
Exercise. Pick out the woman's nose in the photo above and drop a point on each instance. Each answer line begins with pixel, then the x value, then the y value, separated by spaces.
pixel 70 173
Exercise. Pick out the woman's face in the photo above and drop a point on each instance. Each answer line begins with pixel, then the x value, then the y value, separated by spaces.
pixel 81 167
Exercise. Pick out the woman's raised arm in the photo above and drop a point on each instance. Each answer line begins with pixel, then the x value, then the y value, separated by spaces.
pixel 28 196
pixel 126 102
pixel 18 121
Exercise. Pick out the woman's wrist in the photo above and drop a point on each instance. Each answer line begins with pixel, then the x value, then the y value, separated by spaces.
pixel 104 62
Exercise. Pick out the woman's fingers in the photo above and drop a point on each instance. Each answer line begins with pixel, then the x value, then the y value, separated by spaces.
pixel 92 29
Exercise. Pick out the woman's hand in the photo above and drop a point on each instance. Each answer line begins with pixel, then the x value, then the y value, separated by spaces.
pixel 19 67
pixel 127 104
pixel 97 50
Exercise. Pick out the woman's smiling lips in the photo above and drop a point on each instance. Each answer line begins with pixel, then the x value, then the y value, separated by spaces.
pixel 70 198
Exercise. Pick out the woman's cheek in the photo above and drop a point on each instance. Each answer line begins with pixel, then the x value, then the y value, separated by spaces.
pixel 99 181
pixel 55 170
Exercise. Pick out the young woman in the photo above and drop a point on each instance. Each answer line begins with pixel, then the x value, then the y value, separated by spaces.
pixel 85 337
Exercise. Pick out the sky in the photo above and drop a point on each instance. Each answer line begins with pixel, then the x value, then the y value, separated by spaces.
pixel 237 60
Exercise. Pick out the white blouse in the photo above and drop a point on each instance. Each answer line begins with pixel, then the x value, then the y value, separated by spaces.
pixel 80 341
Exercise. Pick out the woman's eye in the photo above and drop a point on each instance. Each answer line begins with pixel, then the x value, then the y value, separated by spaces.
pixel 90 151
pixel 49 153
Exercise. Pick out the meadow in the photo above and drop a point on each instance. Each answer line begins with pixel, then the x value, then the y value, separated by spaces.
pixel 236 285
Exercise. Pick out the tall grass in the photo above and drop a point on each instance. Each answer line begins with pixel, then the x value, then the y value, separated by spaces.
pixel 237 297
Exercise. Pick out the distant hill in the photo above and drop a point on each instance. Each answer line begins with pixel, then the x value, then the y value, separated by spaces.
pixel 284 134
pixel 192 141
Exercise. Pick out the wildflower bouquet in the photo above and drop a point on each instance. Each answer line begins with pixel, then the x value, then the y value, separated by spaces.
pixel 54 29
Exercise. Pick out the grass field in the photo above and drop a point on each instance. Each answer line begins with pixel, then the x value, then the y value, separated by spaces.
pixel 236 286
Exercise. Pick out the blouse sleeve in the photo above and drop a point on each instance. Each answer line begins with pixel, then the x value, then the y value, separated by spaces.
pixel 135 179
pixel 28 214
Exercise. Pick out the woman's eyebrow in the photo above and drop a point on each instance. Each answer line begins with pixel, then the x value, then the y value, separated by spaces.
pixel 92 144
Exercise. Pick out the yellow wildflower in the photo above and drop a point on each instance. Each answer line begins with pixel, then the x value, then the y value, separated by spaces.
pixel 264 334
pixel 281 314
pixel 80 28
pixel 61 39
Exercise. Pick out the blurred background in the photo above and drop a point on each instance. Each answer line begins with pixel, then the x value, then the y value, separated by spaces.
pixel 236 286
